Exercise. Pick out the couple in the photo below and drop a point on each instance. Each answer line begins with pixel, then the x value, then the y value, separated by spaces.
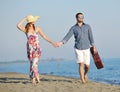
pixel 83 40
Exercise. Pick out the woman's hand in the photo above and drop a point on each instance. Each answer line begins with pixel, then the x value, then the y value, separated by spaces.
pixel 54 44
pixel 20 25
pixel 59 44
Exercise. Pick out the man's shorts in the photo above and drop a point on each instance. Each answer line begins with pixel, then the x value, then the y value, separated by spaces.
pixel 83 56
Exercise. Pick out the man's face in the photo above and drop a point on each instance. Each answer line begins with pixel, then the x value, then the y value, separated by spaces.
pixel 80 18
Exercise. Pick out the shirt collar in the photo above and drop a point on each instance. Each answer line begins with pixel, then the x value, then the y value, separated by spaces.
pixel 77 23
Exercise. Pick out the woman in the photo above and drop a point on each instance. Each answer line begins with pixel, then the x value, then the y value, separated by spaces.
pixel 33 47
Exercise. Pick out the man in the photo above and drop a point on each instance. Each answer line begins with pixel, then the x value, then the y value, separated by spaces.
pixel 83 41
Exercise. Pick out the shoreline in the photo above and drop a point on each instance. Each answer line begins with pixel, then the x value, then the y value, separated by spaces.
pixel 12 82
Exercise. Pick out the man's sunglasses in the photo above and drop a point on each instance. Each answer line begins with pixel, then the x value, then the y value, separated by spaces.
pixel 81 17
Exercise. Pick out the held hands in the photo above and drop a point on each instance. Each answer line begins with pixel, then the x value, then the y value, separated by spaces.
pixel 54 45
pixel 58 44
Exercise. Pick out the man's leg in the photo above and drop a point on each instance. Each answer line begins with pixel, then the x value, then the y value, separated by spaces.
pixel 82 72
pixel 86 71
pixel 80 61
pixel 87 62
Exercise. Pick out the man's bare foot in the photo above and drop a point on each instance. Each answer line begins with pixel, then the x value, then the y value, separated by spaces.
pixel 83 82
pixel 86 78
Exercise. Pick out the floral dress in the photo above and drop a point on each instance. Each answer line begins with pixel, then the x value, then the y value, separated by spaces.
pixel 33 52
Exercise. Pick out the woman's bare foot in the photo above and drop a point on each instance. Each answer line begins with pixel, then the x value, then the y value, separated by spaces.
pixel 38 79
pixel 34 81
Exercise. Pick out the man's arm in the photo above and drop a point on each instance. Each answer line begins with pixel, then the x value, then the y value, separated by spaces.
pixel 66 38
pixel 91 39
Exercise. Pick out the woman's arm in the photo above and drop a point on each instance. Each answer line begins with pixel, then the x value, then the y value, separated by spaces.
pixel 19 25
pixel 45 37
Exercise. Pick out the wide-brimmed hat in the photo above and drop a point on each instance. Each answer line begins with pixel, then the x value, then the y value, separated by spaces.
pixel 31 18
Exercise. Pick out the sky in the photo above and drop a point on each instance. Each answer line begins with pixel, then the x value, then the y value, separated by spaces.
pixel 56 18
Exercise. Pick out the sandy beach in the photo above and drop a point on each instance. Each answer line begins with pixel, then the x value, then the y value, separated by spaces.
pixel 14 82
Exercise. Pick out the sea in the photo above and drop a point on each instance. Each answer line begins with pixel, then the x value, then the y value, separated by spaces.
pixel 110 74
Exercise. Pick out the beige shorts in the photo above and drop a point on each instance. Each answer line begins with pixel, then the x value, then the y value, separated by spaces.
pixel 83 56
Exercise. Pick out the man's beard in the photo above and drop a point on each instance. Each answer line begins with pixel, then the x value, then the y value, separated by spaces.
pixel 80 21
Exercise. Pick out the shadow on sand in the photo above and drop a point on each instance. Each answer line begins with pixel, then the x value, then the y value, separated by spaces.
pixel 26 81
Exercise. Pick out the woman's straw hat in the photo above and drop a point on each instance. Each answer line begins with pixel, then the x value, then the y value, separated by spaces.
pixel 31 18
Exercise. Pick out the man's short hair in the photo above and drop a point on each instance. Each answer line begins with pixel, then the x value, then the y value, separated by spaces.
pixel 78 14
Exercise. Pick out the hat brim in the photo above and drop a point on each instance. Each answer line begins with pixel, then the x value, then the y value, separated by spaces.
pixel 34 19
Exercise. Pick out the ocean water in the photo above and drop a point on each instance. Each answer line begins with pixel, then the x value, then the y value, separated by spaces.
pixel 109 74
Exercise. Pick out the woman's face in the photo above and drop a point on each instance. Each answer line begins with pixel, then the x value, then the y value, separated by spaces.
pixel 31 24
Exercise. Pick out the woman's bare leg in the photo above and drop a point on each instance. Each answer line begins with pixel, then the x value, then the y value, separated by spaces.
pixel 33 81
pixel 36 67
pixel 38 78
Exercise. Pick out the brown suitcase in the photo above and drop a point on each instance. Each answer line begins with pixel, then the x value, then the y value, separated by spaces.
pixel 96 58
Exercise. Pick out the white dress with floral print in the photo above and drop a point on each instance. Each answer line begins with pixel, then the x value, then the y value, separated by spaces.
pixel 33 52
